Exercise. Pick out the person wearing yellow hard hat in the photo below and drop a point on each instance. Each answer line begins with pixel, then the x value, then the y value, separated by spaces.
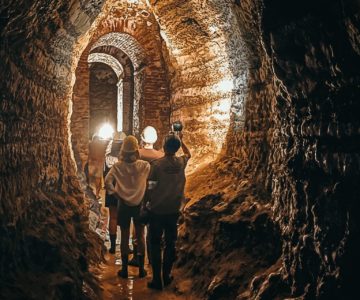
pixel 127 181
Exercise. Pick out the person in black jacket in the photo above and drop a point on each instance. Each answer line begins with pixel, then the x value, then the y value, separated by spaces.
pixel 166 185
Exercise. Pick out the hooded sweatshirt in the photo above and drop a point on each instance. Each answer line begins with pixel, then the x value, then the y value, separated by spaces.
pixel 127 181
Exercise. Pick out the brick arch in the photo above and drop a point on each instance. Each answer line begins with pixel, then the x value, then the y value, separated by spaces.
pixel 132 49
pixel 109 60
pixel 145 77
pixel 126 43
pixel 125 84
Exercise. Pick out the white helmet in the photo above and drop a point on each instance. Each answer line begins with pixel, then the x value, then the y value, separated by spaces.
pixel 149 135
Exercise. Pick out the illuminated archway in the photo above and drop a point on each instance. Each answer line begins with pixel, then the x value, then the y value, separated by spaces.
pixel 119 71
pixel 131 47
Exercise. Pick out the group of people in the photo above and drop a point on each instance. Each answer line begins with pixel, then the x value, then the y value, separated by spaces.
pixel 139 181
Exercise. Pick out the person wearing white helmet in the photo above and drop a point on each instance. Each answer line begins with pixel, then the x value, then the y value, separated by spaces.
pixel 149 154
pixel 149 138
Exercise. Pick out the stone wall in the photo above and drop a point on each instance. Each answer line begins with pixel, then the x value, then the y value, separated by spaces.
pixel 314 145
pixel 299 144
pixel 46 245
pixel 208 67
pixel 80 117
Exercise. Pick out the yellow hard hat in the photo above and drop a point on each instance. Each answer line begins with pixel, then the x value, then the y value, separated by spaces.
pixel 130 144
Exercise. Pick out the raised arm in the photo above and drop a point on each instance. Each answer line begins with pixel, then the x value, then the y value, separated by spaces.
pixel 184 148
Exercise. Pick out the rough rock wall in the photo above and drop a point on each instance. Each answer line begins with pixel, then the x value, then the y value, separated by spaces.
pixel 299 147
pixel 315 142
pixel 80 117
pixel 232 210
pixel 208 69
pixel 43 211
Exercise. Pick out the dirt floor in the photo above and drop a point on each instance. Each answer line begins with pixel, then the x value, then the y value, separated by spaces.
pixel 133 288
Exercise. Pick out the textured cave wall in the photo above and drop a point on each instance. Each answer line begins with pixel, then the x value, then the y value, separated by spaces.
pixel 232 210
pixel 103 93
pixel 296 163
pixel 315 142
pixel 208 67
pixel 44 233
pixel 80 117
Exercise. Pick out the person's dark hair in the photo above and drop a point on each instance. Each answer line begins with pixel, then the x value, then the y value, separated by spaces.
pixel 172 144
pixel 129 157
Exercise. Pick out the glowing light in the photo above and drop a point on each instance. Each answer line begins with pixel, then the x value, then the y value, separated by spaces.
pixel 224 86
pixel 149 135
pixel 106 131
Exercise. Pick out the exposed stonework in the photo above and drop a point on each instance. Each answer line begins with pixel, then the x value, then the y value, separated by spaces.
pixel 109 60
pixel 147 85
pixel 80 118
pixel 125 43
pixel 209 68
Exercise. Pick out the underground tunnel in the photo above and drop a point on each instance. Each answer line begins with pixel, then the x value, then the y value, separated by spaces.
pixel 266 91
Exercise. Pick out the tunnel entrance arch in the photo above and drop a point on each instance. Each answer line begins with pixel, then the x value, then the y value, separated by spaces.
pixel 130 46
pixel 117 111
pixel 103 97
pixel 125 57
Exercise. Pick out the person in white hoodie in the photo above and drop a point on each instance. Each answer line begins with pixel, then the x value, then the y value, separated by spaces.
pixel 127 182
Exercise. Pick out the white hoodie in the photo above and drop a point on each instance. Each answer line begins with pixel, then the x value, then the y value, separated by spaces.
pixel 128 181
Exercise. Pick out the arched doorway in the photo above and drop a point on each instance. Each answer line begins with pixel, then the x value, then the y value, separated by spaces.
pixel 108 89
